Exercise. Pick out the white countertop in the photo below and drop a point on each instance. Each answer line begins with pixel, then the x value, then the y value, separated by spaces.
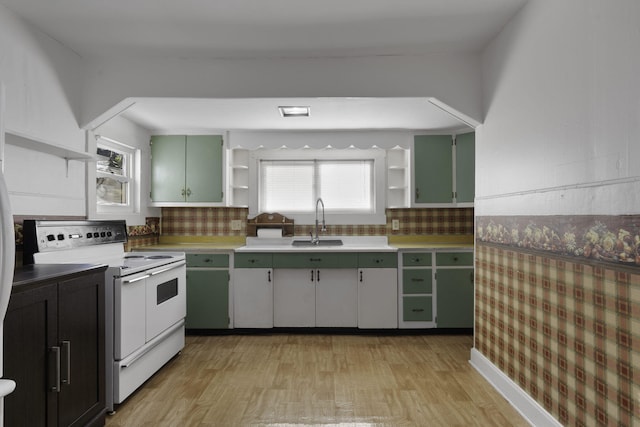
pixel 350 244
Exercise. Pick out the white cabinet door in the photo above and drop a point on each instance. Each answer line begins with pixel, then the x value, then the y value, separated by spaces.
pixel 294 297
pixel 336 298
pixel 253 298
pixel 378 298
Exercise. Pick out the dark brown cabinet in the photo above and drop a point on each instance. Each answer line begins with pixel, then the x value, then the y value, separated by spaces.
pixel 54 348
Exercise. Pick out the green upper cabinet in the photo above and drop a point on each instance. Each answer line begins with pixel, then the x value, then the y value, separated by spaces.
pixel 433 166
pixel 436 160
pixel 465 167
pixel 186 168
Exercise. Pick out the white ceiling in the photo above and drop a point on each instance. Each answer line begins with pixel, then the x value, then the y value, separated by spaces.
pixel 177 115
pixel 272 28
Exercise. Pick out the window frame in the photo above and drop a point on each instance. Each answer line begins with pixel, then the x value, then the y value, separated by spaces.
pixel 378 156
pixel 132 178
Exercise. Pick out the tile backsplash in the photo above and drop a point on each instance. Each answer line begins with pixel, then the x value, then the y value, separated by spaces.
pixel 419 221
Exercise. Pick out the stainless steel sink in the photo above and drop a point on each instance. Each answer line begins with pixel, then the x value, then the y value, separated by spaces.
pixel 309 243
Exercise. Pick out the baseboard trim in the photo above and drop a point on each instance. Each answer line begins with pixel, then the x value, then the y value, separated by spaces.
pixel 530 410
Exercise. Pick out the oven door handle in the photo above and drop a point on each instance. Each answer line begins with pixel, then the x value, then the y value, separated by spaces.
pixel 137 279
pixel 153 273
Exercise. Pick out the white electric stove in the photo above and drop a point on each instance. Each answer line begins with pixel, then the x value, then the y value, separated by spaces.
pixel 145 295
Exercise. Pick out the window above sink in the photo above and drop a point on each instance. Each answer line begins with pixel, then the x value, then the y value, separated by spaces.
pixel 350 181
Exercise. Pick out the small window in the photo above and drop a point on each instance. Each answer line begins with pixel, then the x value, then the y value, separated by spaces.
pixel 114 176
pixel 345 186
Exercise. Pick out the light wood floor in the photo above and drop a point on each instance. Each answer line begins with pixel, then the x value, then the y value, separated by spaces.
pixel 309 380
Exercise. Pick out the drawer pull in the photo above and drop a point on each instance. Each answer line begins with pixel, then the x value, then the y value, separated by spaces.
pixel 415 259
pixel 417 310
pixel 417 280
pixel 315 259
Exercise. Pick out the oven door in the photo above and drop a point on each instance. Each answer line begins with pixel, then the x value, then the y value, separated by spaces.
pixel 166 297
pixel 129 314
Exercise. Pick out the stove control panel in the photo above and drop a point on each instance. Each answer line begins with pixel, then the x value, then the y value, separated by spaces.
pixel 45 236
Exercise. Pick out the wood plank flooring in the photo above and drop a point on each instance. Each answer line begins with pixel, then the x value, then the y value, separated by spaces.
pixel 312 380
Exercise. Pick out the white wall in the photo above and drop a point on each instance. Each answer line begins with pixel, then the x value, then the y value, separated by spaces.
pixel 126 132
pixel 43 84
pixel 562 126
pixel 452 78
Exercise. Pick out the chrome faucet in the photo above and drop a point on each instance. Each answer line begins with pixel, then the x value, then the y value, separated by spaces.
pixel 316 239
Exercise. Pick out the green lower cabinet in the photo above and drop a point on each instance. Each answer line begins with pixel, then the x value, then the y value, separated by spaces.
pixel 417 308
pixel 207 299
pixel 455 298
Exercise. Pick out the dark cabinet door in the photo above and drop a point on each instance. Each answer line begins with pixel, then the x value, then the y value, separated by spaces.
pixel 54 349
pixel 30 356
pixel 81 339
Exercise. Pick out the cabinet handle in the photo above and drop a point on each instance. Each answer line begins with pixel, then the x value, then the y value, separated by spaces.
pixel 455 258
pixel 269 276
pixel 66 355
pixel 417 280
pixel 471 277
pixel 188 192
pixel 183 192
pixel 417 310
pixel 417 193
pixel 361 275
pixel 312 275
pixel 415 259
pixel 317 275
pixel 55 350
pixel 315 259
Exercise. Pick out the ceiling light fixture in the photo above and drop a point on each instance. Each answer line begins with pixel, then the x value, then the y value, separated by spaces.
pixel 290 111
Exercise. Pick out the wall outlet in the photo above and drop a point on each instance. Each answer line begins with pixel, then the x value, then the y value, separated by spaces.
pixel 236 224
pixel 395 224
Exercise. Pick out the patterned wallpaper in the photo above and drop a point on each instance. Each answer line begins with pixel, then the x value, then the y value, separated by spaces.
pixel 217 222
pixel 564 326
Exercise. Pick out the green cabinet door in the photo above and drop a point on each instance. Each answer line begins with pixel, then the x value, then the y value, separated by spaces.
pixel 455 298
pixel 433 166
pixel 168 165
pixel 207 299
pixel 186 168
pixel 465 167
pixel 204 168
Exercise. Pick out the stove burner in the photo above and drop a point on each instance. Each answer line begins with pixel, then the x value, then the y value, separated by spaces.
pixel 159 257
pixel 133 256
